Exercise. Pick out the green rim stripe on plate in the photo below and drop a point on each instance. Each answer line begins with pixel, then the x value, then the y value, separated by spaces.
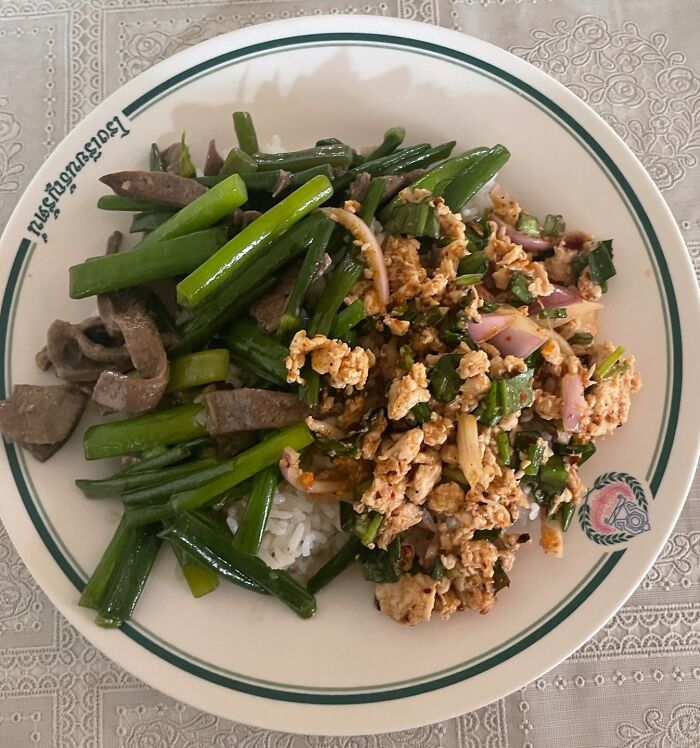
pixel 132 111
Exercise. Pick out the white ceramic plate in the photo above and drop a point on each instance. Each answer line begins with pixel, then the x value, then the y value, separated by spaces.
pixel 350 669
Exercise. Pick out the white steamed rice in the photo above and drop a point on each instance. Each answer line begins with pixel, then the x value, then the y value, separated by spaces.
pixel 301 534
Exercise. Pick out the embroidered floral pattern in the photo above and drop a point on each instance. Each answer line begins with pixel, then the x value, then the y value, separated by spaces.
pixel 681 730
pixel 646 92
pixel 11 147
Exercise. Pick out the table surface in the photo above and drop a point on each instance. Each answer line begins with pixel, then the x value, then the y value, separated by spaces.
pixel 637 682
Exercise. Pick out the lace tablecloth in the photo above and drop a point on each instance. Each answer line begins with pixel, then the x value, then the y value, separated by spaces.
pixel 637 682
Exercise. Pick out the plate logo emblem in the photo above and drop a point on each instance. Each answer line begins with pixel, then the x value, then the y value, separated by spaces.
pixel 615 509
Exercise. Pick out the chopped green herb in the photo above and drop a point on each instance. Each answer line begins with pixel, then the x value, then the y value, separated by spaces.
pixel 488 306
pixel 488 411
pixel 582 452
pixel 519 283
pixel 476 263
pixel 421 412
pixel 477 234
pixel 605 369
pixel 468 280
pixel 528 225
pixel 516 393
pixel 381 566
pixel 535 453
pixel 504 450
pixel 581 338
pixel 566 514
pixel 554 475
pixel 438 569
pixel 559 313
pixel 405 357
pixel 600 264
pixel 455 474
pixel 553 225
pixel 444 380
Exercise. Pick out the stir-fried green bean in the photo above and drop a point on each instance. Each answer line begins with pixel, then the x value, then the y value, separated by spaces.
pixel 257 510
pixel 463 188
pixel 195 369
pixel 245 132
pixel 332 155
pixel 200 540
pixel 250 244
pixel 345 557
pixel 129 577
pixel 165 427
pixel 393 138
pixel 205 211
pixel 256 351
pixel 200 579
pixel 165 259
pixel 95 590
pixel 121 484
pixel 373 198
pixel 319 229
pixel 240 468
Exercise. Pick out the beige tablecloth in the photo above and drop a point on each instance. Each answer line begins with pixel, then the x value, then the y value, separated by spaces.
pixel 637 62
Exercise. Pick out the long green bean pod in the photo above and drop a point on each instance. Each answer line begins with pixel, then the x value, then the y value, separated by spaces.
pixel 200 579
pixel 245 132
pixel 164 427
pixel 250 244
pixel 393 138
pixel 156 492
pixel 119 202
pixel 119 485
pixel 320 233
pixel 96 588
pixel 208 545
pixel 241 467
pixel 463 188
pixel 374 195
pixel 129 578
pixel 203 212
pixel 257 510
pixel 99 275
pixel 439 176
pixel 345 557
pixel 333 155
pixel 256 351
pixel 164 457
pixel 196 369
pixel 394 162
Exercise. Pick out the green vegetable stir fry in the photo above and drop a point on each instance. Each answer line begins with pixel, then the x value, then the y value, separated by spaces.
pixel 383 333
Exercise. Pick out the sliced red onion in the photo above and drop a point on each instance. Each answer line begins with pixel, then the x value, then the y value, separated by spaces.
pixel 490 325
pixel 574 406
pixel 561 296
pixel 371 250
pixel 521 338
pixel 304 480
pixel 528 243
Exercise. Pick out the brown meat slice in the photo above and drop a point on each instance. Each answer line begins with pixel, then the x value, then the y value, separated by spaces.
pixel 213 161
pixel 357 189
pixel 268 309
pixel 80 353
pixel 41 418
pixel 159 186
pixel 231 444
pixel 251 409
pixel 126 312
